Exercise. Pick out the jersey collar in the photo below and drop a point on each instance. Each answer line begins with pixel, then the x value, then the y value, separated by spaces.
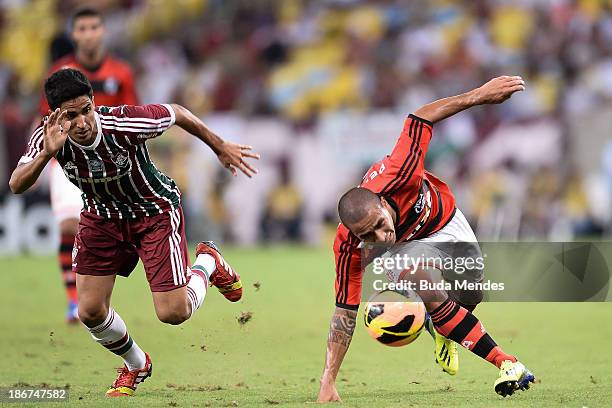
pixel 98 136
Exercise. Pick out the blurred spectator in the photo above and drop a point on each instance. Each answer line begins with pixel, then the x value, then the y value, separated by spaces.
pixel 282 216
pixel 300 61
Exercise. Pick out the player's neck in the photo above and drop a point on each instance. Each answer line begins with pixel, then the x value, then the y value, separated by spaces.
pixel 90 60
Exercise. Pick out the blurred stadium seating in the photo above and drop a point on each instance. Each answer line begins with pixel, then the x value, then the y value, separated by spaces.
pixel 323 86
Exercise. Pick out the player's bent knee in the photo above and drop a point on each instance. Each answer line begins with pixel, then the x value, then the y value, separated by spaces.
pixel 467 298
pixel 92 316
pixel 174 316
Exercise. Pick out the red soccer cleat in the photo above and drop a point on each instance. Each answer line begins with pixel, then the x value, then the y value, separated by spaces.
pixel 127 381
pixel 224 277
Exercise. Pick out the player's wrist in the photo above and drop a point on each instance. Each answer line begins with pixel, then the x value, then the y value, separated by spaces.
pixel 473 97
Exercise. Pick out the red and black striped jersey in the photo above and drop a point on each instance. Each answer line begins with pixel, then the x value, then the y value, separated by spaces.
pixel 112 81
pixel 115 174
pixel 423 204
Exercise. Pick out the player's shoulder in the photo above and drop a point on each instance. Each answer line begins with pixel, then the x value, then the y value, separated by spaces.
pixel 379 175
pixel 118 64
pixel 345 240
pixel 67 61
pixel 111 111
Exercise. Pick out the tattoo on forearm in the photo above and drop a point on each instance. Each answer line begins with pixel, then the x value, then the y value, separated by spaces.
pixel 342 327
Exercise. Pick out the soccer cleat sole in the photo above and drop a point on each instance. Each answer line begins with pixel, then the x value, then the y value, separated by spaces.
pixel 126 391
pixel 506 388
pixel 524 382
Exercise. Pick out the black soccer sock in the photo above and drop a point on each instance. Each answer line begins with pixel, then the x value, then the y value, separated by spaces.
pixel 458 324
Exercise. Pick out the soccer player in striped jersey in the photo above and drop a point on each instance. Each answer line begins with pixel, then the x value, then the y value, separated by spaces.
pixel 113 85
pixel 399 201
pixel 131 211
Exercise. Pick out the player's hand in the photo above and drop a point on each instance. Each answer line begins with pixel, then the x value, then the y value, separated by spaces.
pixel 328 392
pixel 55 131
pixel 499 89
pixel 233 156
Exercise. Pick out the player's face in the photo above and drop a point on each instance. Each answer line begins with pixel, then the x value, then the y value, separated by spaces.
pixel 88 33
pixel 80 113
pixel 376 227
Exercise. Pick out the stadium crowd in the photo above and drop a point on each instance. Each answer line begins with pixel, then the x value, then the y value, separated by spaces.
pixel 519 170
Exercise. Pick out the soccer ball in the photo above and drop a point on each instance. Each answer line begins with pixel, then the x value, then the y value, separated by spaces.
pixel 394 319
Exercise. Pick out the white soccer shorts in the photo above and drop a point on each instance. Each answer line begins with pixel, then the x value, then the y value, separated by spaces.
pixel 66 199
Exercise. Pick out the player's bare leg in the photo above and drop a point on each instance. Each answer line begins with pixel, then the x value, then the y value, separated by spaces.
pixel 460 325
pixel 108 329
pixel 174 306
pixel 177 305
pixel 68 229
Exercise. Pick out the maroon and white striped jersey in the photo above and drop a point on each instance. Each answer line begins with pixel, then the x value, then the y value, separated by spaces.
pixel 115 174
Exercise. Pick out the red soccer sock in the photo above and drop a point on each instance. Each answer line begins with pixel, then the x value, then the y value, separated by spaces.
pixel 65 261
pixel 458 324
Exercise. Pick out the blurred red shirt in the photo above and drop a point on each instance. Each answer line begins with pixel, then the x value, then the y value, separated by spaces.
pixel 112 81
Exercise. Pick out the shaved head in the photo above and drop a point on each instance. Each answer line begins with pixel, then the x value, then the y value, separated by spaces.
pixel 355 205
pixel 368 216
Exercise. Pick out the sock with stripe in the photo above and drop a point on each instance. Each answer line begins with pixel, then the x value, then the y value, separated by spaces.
pixel 458 324
pixel 113 335
pixel 65 261
pixel 201 270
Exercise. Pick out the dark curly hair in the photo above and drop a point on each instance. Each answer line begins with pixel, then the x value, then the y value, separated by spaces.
pixel 65 85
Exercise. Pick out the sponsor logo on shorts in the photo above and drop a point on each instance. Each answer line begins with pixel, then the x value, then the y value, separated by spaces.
pixel 145 135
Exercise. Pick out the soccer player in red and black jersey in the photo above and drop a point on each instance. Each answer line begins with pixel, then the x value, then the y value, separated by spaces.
pixel 399 201
pixel 131 211
pixel 113 85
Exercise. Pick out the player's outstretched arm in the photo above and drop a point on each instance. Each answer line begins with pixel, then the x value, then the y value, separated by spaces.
pixel 55 132
pixel 496 90
pixel 231 155
pixel 339 339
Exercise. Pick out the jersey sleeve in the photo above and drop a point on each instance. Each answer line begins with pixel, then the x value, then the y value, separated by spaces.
pixel 35 146
pixel 349 272
pixel 139 123
pixel 406 163
pixel 408 155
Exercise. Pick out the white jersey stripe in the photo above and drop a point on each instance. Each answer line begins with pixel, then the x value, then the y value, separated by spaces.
pixel 174 257
pixel 158 129
pixel 124 120
pixel 129 175
pixel 176 245
pixel 149 185
pixel 145 153
pixel 177 216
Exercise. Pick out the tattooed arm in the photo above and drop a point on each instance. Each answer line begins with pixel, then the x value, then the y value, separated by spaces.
pixel 340 335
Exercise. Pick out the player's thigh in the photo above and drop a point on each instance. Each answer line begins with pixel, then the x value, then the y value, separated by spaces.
pixel 163 250
pixel 172 306
pixel 99 254
pixel 94 297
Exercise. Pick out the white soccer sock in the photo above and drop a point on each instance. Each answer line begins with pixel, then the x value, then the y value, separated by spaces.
pixel 197 285
pixel 205 263
pixel 113 335
pixel 196 291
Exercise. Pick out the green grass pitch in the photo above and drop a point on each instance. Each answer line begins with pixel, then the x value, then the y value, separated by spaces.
pixel 276 358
